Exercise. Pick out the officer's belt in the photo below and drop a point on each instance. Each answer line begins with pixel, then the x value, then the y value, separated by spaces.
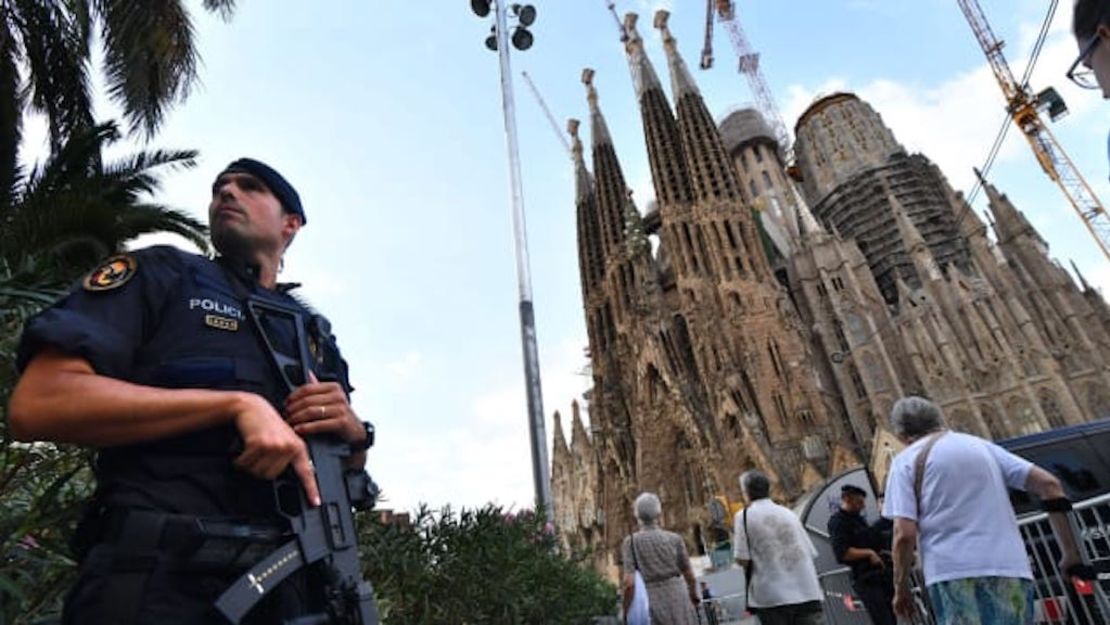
pixel 198 541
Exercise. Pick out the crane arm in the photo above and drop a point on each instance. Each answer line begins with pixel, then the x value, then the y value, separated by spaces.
pixel 1022 107
pixel 546 112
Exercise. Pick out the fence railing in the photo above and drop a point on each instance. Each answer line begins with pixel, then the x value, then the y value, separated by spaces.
pixel 1058 600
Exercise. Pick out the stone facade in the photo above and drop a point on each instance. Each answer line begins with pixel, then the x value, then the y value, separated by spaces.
pixel 721 352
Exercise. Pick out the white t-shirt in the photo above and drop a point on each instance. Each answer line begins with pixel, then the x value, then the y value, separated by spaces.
pixel 782 555
pixel 967 526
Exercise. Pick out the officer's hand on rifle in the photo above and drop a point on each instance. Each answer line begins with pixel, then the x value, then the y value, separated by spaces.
pixel 270 445
pixel 319 407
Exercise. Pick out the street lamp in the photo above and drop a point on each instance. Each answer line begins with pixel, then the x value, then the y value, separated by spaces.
pixel 525 15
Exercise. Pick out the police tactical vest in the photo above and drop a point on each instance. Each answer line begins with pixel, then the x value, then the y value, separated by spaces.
pixel 201 338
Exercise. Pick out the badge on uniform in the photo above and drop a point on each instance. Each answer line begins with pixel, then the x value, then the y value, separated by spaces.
pixel 221 323
pixel 112 273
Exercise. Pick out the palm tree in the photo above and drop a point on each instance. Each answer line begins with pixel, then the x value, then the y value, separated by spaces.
pixel 59 219
pixel 150 63
pixel 74 209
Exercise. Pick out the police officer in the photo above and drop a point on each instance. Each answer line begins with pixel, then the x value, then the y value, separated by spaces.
pixel 152 361
pixel 861 547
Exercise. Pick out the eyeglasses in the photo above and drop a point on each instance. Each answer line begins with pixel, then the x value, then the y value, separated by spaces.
pixel 1079 73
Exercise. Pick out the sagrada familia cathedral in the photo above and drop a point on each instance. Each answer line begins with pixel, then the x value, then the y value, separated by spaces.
pixel 773 324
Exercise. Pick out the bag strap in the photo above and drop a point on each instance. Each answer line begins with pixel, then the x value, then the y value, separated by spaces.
pixel 919 468
pixel 632 541
pixel 748 539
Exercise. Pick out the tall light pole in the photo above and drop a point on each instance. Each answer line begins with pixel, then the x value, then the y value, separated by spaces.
pixel 521 40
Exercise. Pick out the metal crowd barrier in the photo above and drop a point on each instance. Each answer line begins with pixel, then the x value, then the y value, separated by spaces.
pixel 1058 601
pixel 843 607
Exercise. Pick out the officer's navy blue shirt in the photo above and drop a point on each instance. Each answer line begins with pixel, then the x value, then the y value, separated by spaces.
pixel 848 530
pixel 179 322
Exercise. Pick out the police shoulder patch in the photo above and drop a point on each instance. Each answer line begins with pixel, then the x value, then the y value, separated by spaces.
pixel 112 273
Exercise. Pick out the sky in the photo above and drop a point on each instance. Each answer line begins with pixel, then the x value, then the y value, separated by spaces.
pixel 386 116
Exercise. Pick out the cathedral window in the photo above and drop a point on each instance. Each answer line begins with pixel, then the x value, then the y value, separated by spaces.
pixel 780 407
pixel 861 390
pixel 841 340
pixel 754 189
pixel 758 151
pixel 734 297
pixel 730 235
pixel 837 283
pixel 776 359
pixel 767 181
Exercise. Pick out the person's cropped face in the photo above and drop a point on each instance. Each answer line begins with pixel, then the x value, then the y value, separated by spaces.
pixel 1099 60
pixel 853 502
pixel 245 216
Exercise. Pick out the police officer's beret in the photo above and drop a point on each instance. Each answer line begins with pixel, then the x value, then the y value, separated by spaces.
pixel 849 489
pixel 278 185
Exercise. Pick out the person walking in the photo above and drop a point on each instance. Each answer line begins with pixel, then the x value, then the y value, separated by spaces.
pixel 770 543
pixel 947 492
pixel 664 563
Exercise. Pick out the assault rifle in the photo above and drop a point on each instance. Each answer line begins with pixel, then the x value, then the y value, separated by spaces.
pixel 324 536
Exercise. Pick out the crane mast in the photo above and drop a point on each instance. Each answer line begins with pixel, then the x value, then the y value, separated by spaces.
pixel 749 66
pixel 1022 106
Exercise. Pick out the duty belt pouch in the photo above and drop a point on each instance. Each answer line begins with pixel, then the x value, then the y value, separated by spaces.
pixel 135 556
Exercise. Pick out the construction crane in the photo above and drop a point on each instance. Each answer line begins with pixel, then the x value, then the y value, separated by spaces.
pixel 1024 108
pixel 547 113
pixel 749 66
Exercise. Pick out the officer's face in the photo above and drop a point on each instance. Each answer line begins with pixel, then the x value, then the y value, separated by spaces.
pixel 246 218
pixel 853 502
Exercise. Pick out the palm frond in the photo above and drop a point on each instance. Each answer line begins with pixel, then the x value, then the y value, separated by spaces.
pixel 224 7
pixel 150 58
pixel 57 54
pixel 11 116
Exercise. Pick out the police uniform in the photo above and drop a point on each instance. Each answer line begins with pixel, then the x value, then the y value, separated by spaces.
pixel 165 318
pixel 873 584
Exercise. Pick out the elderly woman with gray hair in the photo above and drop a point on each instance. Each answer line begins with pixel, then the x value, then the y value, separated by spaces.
pixel 661 558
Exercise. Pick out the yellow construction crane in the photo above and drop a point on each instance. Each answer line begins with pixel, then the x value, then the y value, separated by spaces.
pixel 1024 108
pixel 749 65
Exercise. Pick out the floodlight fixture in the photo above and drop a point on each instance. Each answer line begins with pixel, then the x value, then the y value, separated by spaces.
pixel 522 39
pixel 480 7
pixel 525 13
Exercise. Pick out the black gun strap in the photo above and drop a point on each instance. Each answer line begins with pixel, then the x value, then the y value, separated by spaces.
pixel 263 577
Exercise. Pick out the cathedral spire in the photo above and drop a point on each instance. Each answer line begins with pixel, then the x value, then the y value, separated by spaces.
pixel 712 173
pixel 682 83
pixel 1082 280
pixel 560 441
pixel 590 248
pixel 668 163
pixel 807 223
pixel 1009 222
pixel 579 440
pixel 612 191
pixel 913 242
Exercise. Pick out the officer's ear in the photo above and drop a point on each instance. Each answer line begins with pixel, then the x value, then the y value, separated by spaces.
pixel 292 223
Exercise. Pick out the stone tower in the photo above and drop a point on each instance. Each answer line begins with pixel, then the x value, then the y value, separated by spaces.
pixel 847 158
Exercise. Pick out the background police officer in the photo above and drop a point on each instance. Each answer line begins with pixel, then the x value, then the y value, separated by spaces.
pixel 151 361
pixel 861 547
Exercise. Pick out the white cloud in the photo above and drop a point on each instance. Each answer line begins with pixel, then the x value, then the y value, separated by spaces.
pixel 406 366
pixel 485 455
